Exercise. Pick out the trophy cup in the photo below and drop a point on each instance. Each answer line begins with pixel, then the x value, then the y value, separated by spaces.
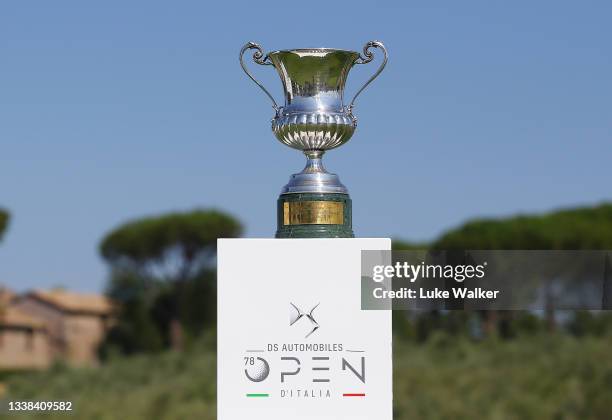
pixel 314 119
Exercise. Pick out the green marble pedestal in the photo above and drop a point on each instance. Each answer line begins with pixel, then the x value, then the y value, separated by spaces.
pixel 314 215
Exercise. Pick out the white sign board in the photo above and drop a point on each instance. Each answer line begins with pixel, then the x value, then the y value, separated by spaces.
pixel 293 342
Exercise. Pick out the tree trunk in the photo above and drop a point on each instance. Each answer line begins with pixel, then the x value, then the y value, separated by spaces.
pixel 490 323
pixel 549 308
pixel 177 336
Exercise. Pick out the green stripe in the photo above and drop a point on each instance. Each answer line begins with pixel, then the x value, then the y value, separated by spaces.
pixel 257 395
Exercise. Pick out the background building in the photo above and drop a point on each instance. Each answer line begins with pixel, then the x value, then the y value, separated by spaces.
pixel 24 340
pixel 42 326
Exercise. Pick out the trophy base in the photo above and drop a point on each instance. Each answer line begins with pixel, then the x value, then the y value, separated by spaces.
pixel 314 215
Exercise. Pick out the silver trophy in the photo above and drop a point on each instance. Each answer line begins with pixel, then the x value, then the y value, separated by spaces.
pixel 314 119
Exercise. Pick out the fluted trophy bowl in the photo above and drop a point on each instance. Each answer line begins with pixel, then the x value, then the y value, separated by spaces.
pixel 314 116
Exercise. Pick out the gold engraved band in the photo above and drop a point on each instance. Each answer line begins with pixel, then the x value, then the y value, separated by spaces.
pixel 313 213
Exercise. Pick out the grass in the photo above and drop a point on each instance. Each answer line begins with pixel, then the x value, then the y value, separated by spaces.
pixel 543 377
pixel 166 386
pixel 546 377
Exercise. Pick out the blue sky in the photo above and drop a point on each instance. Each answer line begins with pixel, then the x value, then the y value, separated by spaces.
pixel 114 110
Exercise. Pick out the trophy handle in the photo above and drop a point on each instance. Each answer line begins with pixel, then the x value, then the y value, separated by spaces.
pixel 365 59
pixel 259 58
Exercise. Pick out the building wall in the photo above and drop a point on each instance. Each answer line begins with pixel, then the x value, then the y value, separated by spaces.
pixel 83 335
pixel 53 318
pixel 21 348
pixel 73 337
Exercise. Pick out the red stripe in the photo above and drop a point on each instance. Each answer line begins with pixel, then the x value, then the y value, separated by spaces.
pixel 353 395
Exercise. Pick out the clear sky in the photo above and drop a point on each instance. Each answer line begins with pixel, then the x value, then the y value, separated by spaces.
pixel 117 109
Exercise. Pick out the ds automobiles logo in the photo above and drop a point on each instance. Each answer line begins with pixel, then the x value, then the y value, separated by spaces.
pixel 295 314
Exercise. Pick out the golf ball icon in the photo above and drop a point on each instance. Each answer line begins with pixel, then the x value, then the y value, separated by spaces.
pixel 258 371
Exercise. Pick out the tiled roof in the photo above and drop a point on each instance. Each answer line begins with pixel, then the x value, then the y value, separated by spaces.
pixel 6 296
pixel 75 302
pixel 10 316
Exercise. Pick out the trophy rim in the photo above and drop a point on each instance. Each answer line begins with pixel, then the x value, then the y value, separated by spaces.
pixel 311 50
